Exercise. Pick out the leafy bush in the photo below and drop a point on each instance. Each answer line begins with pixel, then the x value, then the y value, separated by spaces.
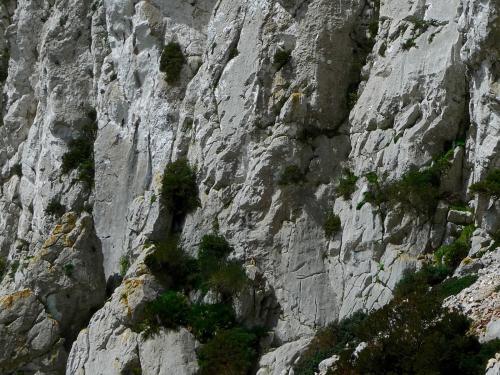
pixel 206 319
pixel 174 268
pixel 347 184
pixel 17 170
pixel 230 352
pixel 80 153
pixel 490 186
pixel 179 190
pixel 454 285
pixel 451 255
pixel 213 246
pixel 291 175
pixel 124 265
pixel 281 58
pixel 55 208
pixel 68 269
pixel 3 267
pixel 4 65
pixel 332 225
pixel 171 62
pixel 329 341
pixel 169 310
pixel 421 281
pixel 227 280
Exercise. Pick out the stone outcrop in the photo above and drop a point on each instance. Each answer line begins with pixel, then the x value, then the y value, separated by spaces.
pixel 367 86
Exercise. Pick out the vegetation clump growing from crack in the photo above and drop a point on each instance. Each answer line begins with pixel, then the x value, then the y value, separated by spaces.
pixel 292 175
pixel 347 184
pixel 413 334
pixel 171 62
pixel 227 345
pixel 55 208
pixel 420 26
pixel 332 225
pixel 4 65
pixel 281 58
pixel 80 153
pixel 451 255
pixel 490 186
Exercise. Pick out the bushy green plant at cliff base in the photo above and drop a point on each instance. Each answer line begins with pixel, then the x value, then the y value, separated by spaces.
pixel 179 189
pixel 489 186
pixel 413 334
pixel 171 62
pixel 451 255
pixel 80 153
pixel 213 324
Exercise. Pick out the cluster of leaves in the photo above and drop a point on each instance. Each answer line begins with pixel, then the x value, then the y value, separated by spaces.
pixel 4 65
pixel 124 265
pixel 420 26
pixel 489 186
pixel 81 152
pixel 228 347
pixel 332 225
pixel 55 208
pixel 292 175
pixel 417 190
pixel 171 62
pixel 451 255
pixel 3 267
pixel 281 58
pixel 413 334
pixel 347 184
pixel 16 170
pixel 179 191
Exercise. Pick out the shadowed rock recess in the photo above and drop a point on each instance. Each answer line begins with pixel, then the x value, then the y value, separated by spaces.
pixel 217 186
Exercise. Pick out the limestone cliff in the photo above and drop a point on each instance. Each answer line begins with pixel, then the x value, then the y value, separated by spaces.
pixel 362 87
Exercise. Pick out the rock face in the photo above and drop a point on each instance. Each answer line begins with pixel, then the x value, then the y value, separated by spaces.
pixel 362 85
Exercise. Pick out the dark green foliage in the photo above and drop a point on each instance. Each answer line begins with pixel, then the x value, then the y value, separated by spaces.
pixel 454 285
pixel 490 186
pixel 3 267
pixel 169 310
pixel 329 341
pixel 80 153
pixel 171 62
pixel 124 265
pixel 332 225
pixel 421 281
pixel 68 269
pixel 174 268
pixel 55 208
pixel 179 190
pixel 17 170
pixel 292 175
pixel 4 65
pixel 230 352
pixel 451 255
pixel 213 246
pixel 227 279
pixel 206 319
pixel 347 184
pixel 281 58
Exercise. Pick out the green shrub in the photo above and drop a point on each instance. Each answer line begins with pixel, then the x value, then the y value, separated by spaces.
pixel 17 170
pixel 332 225
pixel 55 208
pixel 230 352
pixel 292 175
pixel 281 58
pixel 124 265
pixel 169 310
pixel 171 62
pixel 80 153
pixel 68 269
pixel 329 341
pixel 454 285
pixel 214 246
pixel 347 184
pixel 490 186
pixel 3 267
pixel 421 281
pixel 451 255
pixel 227 280
pixel 174 268
pixel 4 65
pixel 179 190
pixel 206 319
